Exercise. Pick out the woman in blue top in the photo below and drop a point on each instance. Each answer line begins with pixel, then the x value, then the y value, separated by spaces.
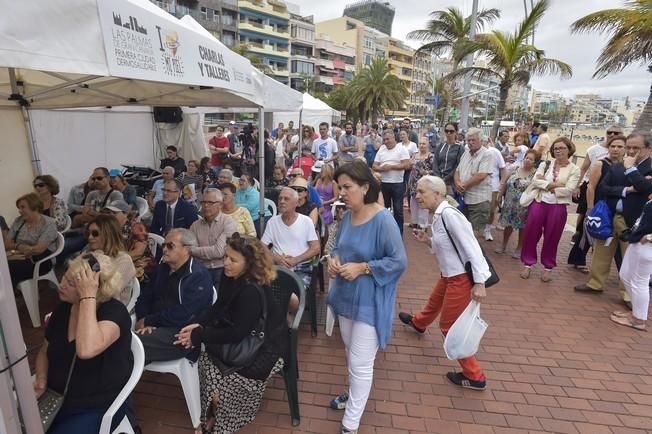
pixel 248 197
pixel 366 275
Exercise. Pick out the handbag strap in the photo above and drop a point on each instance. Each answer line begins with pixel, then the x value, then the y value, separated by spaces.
pixel 263 315
pixel 72 366
pixel 449 234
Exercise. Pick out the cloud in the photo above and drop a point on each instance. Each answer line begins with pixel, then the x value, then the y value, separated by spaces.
pixel 553 36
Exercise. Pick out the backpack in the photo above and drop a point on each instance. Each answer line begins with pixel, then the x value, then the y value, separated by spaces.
pixel 599 222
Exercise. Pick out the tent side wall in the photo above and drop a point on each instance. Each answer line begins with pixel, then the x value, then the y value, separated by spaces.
pixel 15 162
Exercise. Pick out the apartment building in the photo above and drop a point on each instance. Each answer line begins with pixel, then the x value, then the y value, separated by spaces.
pixel 265 28
pixel 422 81
pixel 334 62
pixel 302 50
pixel 376 14
pixel 400 59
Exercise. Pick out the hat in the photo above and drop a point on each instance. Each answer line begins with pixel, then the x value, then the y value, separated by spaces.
pixel 317 166
pixel 115 172
pixel 118 206
pixel 299 182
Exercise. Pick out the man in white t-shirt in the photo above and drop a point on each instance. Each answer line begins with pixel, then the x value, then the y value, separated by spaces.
pixel 391 161
pixel 324 148
pixel 291 236
pixel 497 174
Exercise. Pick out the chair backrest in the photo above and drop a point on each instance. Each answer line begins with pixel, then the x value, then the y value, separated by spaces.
pixel 271 206
pixel 139 363
pixel 143 206
pixel 286 284
pixel 214 295
pixel 59 249
pixel 154 241
pixel 68 225
pixel 135 292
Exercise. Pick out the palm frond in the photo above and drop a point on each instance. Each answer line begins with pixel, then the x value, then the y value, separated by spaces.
pixel 475 72
pixel 529 24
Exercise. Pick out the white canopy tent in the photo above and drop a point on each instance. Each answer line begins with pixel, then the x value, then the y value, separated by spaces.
pixel 93 53
pixel 313 112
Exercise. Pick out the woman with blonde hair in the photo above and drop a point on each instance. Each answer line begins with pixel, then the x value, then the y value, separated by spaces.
pixel 104 236
pixel 231 395
pixel 89 337
pixel 327 188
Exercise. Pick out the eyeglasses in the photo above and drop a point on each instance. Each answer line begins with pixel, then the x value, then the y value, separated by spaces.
pixel 209 202
pixel 299 190
pixel 168 245
pixel 94 233
pixel 39 185
pixel 561 149
pixel 98 178
pixel 613 133
pixel 449 131
pixel 166 190
pixel 92 262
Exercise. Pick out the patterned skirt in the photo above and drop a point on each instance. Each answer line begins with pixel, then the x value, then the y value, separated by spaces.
pixel 239 397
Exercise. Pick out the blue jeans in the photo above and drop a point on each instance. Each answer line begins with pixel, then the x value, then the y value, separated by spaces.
pixel 393 196
pixel 83 421
pixel 216 274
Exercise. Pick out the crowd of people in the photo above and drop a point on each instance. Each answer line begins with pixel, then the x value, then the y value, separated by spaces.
pixel 206 285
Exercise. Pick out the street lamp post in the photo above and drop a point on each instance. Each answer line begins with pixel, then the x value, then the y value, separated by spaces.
pixel 464 118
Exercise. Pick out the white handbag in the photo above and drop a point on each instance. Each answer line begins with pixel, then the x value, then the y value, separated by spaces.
pixel 464 336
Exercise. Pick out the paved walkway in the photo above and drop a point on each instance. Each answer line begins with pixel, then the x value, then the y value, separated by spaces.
pixel 554 362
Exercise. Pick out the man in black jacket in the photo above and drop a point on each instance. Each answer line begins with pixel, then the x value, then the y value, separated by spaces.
pixel 625 188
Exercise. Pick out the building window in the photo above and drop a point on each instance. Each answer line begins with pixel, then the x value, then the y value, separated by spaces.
pixel 228 20
pixel 302 33
pixel 368 43
pixel 299 67
pixel 210 14
pixel 367 58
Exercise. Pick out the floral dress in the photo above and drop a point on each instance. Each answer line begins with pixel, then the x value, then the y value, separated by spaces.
pixel 513 214
pixel 415 174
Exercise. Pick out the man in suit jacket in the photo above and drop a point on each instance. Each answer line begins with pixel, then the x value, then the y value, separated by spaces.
pixel 625 188
pixel 172 211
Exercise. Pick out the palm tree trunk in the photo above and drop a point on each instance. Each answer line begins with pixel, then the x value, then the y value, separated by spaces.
pixel 500 110
pixel 644 122
pixel 449 99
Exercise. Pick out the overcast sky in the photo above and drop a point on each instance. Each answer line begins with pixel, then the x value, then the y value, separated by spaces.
pixel 553 36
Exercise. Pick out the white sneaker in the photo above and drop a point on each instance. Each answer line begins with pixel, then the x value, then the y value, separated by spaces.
pixel 487 235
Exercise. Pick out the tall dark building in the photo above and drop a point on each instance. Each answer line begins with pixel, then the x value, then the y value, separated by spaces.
pixel 375 14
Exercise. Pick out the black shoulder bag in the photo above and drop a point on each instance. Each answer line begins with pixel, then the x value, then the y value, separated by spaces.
pixel 51 402
pixel 234 356
pixel 492 280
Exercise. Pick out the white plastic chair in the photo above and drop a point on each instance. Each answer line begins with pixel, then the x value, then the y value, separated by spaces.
pixel 269 204
pixel 155 241
pixel 188 374
pixel 143 206
pixel 68 225
pixel 139 362
pixel 135 293
pixel 29 288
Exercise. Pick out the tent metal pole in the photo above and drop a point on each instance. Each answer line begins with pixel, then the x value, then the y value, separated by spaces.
pixel 17 95
pixel 261 168
pixel 14 344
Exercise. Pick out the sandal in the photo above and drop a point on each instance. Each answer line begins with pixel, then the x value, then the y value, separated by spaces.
pixel 628 322
pixel 525 274
pixel 546 276
pixel 516 254
pixel 581 268
pixel 621 314
pixel 499 250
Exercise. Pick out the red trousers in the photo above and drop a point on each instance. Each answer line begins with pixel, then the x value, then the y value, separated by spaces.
pixel 450 296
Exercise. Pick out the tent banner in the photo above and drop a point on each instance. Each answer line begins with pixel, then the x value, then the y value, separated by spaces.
pixel 146 46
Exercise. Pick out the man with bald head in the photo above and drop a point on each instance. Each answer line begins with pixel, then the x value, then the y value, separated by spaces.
pixel 291 236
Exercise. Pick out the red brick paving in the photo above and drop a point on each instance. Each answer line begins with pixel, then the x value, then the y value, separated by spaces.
pixel 554 363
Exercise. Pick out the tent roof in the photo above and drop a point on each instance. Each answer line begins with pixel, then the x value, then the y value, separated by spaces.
pixel 115 52
pixel 312 103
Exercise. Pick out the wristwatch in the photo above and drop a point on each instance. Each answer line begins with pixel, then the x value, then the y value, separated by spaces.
pixel 367 270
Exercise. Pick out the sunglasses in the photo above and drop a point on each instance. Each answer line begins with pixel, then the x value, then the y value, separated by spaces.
pixel 168 245
pixel 561 149
pixel 299 190
pixel 92 262
pixel 293 175
pixel 98 178
pixel 39 185
pixel 449 131
pixel 613 133
pixel 94 233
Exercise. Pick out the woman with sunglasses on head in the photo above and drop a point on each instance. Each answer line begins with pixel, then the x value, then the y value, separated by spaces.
pixel 88 338
pixel 47 188
pixel 553 186
pixel 103 235
pixel 231 397
pixel 31 237
pixel 447 156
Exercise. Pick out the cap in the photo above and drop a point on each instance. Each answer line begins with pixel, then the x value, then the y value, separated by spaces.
pixel 115 172
pixel 317 166
pixel 118 206
pixel 299 182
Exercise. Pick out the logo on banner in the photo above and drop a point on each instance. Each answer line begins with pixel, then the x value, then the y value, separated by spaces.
pixel 131 45
pixel 169 47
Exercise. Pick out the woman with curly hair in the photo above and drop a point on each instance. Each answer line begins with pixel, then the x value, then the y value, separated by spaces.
pixel 47 188
pixel 230 396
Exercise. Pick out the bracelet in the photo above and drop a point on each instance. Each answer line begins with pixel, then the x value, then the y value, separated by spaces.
pixel 87 298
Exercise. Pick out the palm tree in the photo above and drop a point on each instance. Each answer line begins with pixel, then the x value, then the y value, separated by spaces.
pixel 341 98
pixel 446 33
pixel 630 31
pixel 375 89
pixel 511 59
pixel 307 83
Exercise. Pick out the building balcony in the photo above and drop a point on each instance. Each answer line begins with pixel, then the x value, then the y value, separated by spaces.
pixel 259 6
pixel 280 71
pixel 230 4
pixel 324 63
pixel 267 49
pixel 326 80
pixel 263 29
pixel 399 63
